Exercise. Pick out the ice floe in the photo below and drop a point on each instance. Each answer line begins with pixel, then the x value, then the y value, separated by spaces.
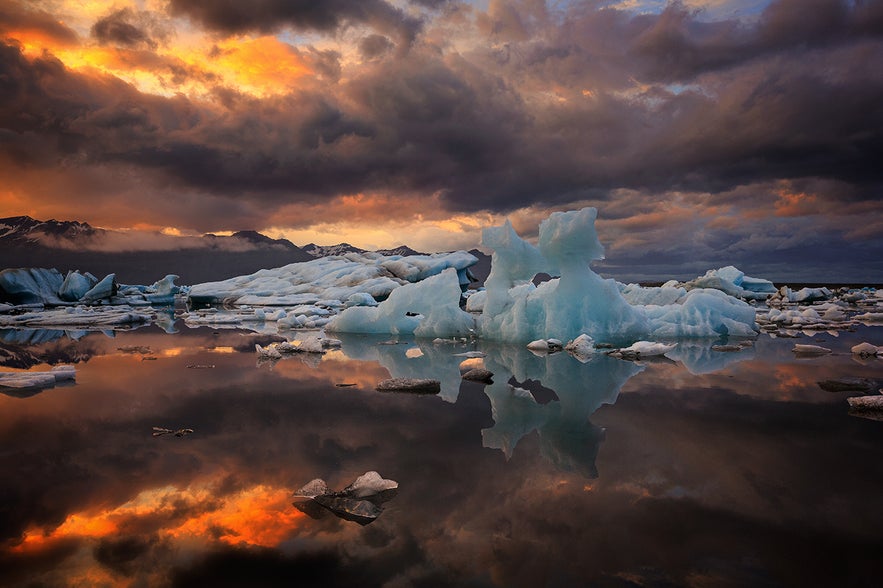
pixel 47 287
pixel 361 501
pixel 348 279
pixel 37 380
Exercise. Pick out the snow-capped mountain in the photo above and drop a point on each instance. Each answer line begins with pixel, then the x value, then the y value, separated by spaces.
pixel 20 230
pixel 329 250
pixel 344 248
pixel 70 245
pixel 139 258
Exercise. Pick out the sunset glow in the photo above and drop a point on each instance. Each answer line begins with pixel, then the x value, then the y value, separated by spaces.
pixel 420 123
pixel 259 515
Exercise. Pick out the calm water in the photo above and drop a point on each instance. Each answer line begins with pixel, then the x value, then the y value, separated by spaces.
pixel 719 469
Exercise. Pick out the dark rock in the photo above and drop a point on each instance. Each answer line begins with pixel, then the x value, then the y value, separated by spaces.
pixel 866 403
pixel 848 385
pixel 726 348
pixel 413 385
pixel 350 509
pixel 479 375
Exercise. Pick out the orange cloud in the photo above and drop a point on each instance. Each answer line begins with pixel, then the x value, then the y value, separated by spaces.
pixel 261 515
pixel 796 204
pixel 261 66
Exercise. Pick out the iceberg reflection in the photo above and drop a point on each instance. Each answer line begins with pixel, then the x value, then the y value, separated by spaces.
pixel 567 438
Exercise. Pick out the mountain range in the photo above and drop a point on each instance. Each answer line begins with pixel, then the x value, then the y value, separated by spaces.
pixel 143 258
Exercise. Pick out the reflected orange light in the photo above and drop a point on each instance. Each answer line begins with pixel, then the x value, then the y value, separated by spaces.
pixel 261 515
pixel 173 351
pixel 222 350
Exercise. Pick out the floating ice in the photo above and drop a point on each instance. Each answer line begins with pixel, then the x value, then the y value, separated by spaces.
pixel 810 350
pixel 545 345
pixel 37 380
pixel 426 309
pixel 579 302
pixel 78 316
pixel 642 349
pixel 582 347
pixel 31 286
pixel 369 484
pixel 46 287
pixel 734 282
pixel 866 349
pixel 76 285
pixel 804 295
pixel 359 502
pixel 346 278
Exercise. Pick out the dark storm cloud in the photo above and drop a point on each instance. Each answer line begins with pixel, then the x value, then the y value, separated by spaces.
pixel 474 128
pixel 128 28
pixel 534 110
pixel 374 46
pixel 271 15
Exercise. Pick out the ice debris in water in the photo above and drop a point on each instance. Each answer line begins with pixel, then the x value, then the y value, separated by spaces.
pixel 643 349
pixel 37 380
pixel 360 501
pixel 867 350
pixel 356 279
pixel 318 344
pixel 547 345
pixel 47 287
pixel 810 350
pixel 578 302
pixel 582 347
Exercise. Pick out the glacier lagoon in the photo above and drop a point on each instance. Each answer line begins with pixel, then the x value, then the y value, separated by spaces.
pixel 701 467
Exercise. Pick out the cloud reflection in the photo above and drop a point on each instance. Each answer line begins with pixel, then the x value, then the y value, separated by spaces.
pixel 699 469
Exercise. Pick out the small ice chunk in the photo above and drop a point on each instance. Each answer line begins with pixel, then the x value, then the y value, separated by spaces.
pixel 369 484
pixel 27 380
pixel 538 345
pixel 810 350
pixel 312 344
pixel 583 346
pixel 270 351
pixel 63 372
pixel 866 349
pixel 106 288
pixel 870 317
pixel 313 488
pixel 648 348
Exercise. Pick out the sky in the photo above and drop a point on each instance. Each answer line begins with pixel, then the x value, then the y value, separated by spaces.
pixel 706 132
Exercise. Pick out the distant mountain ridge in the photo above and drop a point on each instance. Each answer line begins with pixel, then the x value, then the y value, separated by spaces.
pixel 24 229
pixel 344 248
pixel 27 242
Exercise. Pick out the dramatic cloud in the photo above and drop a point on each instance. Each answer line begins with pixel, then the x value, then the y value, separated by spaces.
pixel 232 115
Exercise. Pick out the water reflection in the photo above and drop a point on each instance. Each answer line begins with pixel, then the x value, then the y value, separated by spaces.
pixel 713 465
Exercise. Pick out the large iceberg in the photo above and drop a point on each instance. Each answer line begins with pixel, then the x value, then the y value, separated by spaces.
pixel 47 287
pixel 346 278
pixel 429 308
pixel 734 282
pixel 578 302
